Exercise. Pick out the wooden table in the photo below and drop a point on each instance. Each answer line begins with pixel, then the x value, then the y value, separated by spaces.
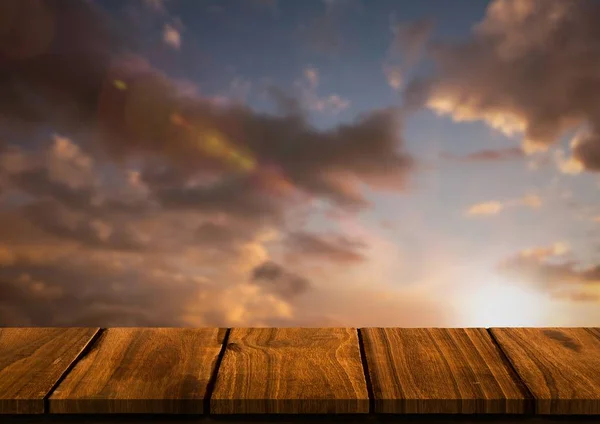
pixel 317 375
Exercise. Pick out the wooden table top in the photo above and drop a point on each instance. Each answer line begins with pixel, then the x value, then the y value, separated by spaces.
pixel 260 372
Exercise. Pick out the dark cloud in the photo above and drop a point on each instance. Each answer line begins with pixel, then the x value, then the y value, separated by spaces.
pixel 324 248
pixel 53 53
pixel 62 172
pixel 56 220
pixel 71 289
pixel 215 234
pixel 236 196
pixel 366 150
pixel 84 78
pixel 276 278
pixel 148 205
pixel 488 155
pixel 54 270
pixel 529 67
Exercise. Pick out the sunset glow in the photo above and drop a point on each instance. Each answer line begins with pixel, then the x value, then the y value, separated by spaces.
pixel 500 304
pixel 299 163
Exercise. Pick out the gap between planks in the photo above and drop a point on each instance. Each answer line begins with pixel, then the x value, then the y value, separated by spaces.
pixel 530 405
pixel 87 348
pixel 365 364
pixel 225 341
pixel 210 388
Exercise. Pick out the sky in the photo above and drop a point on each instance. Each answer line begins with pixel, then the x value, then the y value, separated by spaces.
pixel 315 163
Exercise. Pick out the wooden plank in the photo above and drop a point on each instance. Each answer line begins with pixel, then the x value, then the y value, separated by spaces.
pixel 595 330
pixel 292 419
pixel 32 360
pixel 560 366
pixel 142 370
pixel 291 371
pixel 440 370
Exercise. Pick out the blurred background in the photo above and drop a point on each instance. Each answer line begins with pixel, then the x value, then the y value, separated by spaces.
pixel 299 163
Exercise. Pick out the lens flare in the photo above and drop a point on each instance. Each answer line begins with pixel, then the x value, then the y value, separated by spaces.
pixel 213 143
pixel 121 85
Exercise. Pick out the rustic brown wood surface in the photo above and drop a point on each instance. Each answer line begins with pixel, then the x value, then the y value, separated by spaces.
pixel 300 371
pixel 560 366
pixel 291 370
pixel 434 370
pixel 595 330
pixel 32 360
pixel 293 419
pixel 141 370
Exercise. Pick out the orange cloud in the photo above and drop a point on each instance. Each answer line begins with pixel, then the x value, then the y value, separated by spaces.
pixel 494 76
pixel 543 268
pixel 172 36
pixel 495 207
pixel 486 208
pixel 532 201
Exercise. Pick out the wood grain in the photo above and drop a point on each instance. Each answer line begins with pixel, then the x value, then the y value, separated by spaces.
pixel 438 370
pixel 32 360
pixel 291 371
pixel 142 370
pixel 595 331
pixel 560 366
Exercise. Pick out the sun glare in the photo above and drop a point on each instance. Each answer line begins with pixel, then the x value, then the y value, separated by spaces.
pixel 496 303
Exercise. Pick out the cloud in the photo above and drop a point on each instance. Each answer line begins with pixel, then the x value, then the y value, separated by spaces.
pixel 529 68
pixel 531 201
pixel 149 204
pixel 275 277
pixel 61 284
pixel 172 36
pixel 136 110
pixel 567 165
pixel 570 164
pixel 310 99
pixel 488 155
pixel 394 76
pixel 63 172
pixel 408 43
pixel 325 248
pixel 545 252
pixel 86 228
pixel 486 208
pixel 495 207
pixel 546 269
pixel 79 264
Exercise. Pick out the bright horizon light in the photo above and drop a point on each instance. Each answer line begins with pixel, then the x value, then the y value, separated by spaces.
pixel 498 303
